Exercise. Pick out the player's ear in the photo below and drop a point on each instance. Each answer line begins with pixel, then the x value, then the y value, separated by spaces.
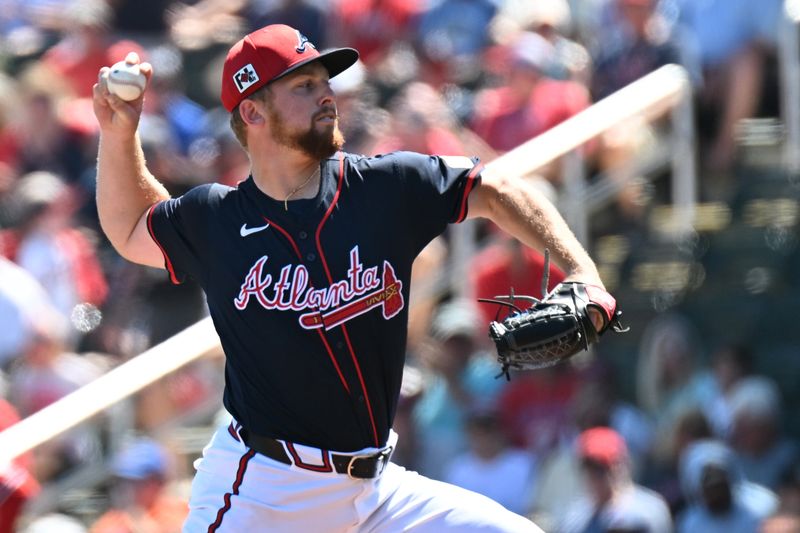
pixel 251 113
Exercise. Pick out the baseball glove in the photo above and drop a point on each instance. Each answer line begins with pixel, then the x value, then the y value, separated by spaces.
pixel 552 329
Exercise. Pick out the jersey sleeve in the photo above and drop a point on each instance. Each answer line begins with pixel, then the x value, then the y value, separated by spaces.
pixel 436 190
pixel 178 226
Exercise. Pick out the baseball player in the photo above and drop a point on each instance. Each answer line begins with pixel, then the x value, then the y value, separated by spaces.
pixel 306 268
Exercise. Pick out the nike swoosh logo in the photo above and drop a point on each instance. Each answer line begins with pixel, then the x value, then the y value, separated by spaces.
pixel 245 231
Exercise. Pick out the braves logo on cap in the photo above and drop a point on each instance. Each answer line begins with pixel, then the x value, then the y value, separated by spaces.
pixel 302 41
pixel 245 77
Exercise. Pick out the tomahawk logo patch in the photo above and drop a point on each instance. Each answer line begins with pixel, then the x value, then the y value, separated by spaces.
pixel 245 77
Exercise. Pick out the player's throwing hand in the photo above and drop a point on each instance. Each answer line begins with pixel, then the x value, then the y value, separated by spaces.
pixel 115 115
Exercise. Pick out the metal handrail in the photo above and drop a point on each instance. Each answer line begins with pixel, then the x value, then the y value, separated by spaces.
pixel 789 61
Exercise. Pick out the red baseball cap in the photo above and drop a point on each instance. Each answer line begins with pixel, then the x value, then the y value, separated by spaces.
pixel 270 53
pixel 602 445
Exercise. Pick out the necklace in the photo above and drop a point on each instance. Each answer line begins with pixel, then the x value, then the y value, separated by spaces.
pixel 308 179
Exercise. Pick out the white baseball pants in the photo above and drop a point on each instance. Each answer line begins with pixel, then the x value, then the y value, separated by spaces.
pixel 237 490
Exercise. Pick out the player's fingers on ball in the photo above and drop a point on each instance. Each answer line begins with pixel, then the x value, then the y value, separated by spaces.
pixel 116 103
pixel 132 58
pixel 98 94
pixel 146 69
pixel 100 105
pixel 102 77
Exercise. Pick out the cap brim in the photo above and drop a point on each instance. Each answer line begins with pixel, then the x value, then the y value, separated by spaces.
pixel 335 62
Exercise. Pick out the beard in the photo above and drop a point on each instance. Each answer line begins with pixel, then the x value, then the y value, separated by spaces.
pixel 316 144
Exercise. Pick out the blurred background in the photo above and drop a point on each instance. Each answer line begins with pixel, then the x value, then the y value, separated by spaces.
pixel 689 207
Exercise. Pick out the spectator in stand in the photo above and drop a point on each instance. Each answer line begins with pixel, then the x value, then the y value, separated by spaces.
pixel 461 378
pixel 528 102
pixel 44 140
pixel 420 122
pixel 56 253
pixel 507 264
pixel 662 472
pixel 669 382
pixel 535 408
pixel 491 467
pixel 730 364
pixel 46 373
pixel 731 40
pixel 23 302
pixel 614 502
pixel 552 20
pixel 86 46
pixel 186 120
pixel 599 403
pixel 17 482
pixel 141 498
pixel 763 453
pixel 450 37
pixel 596 404
pixel 639 44
pixel 721 500
pixel 634 41
pixel 373 26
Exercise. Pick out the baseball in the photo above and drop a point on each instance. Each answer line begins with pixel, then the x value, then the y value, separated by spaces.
pixel 126 81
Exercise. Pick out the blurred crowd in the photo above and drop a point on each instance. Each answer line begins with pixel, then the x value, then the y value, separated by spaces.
pixel 699 448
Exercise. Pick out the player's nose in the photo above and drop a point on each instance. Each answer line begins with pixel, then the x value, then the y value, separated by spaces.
pixel 328 97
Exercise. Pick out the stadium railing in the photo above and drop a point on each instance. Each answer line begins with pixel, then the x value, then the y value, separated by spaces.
pixel 789 68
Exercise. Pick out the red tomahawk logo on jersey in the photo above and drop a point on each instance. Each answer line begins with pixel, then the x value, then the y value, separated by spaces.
pixel 389 297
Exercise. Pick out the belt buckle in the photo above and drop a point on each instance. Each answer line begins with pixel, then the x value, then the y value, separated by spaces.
pixel 382 457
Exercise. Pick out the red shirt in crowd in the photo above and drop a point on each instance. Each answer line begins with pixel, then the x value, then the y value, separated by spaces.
pixel 499 267
pixel 505 124
pixel 17 484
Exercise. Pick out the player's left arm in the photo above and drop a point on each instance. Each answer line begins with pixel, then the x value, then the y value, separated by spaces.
pixel 520 210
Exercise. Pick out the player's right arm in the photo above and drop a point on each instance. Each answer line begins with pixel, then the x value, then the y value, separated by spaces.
pixel 125 187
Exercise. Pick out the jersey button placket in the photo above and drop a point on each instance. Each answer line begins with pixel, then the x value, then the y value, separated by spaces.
pixel 311 257
pixel 303 235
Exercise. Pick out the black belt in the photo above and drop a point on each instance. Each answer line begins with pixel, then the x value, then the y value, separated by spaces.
pixel 356 466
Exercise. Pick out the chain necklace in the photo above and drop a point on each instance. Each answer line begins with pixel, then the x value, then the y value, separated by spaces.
pixel 308 179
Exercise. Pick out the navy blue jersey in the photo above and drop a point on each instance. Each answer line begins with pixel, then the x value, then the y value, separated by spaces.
pixel 311 304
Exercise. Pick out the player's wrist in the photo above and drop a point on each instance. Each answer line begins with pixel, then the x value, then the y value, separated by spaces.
pixel 118 138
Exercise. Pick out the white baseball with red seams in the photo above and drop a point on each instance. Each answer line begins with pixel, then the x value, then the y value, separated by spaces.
pixel 126 81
